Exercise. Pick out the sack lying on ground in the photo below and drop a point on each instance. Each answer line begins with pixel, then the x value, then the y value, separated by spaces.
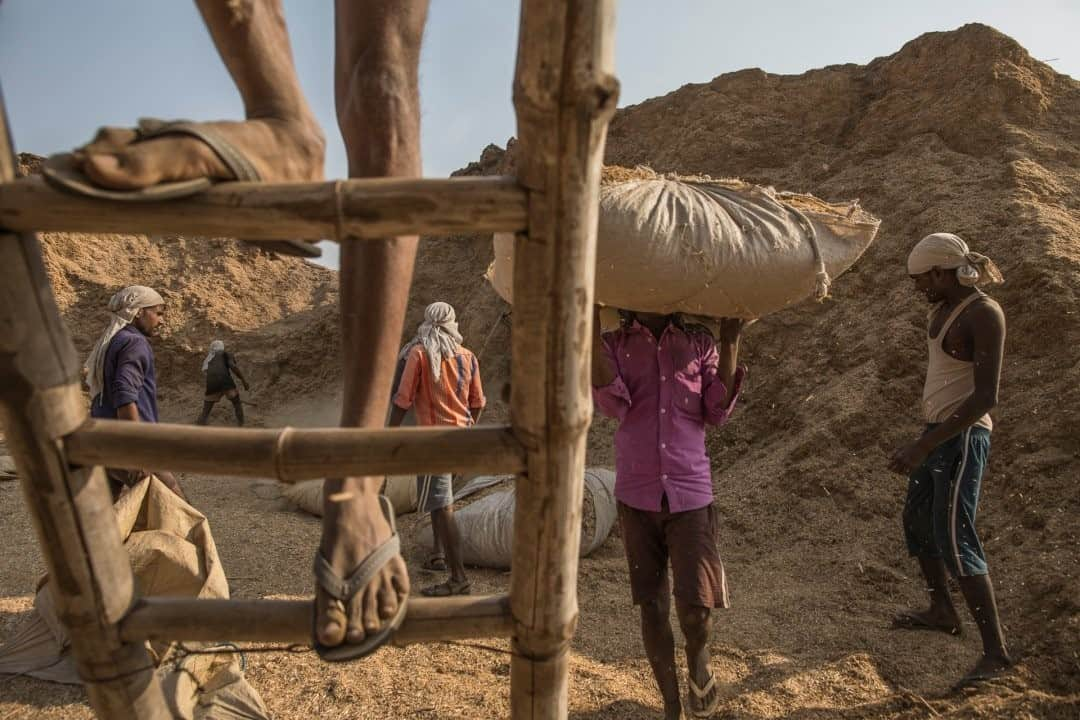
pixel 307 495
pixel 172 553
pixel 719 248
pixel 487 524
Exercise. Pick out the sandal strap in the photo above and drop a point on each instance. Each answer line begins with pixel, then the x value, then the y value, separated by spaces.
pixel 236 161
pixel 703 691
pixel 344 589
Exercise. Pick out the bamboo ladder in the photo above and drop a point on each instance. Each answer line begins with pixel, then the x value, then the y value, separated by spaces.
pixel 564 95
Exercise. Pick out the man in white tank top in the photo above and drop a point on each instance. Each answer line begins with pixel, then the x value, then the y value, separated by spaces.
pixel 965 338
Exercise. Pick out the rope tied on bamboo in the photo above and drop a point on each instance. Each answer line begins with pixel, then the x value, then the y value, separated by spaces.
pixel 339 216
pixel 279 453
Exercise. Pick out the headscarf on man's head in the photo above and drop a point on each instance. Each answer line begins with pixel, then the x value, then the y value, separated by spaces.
pixel 123 307
pixel 949 252
pixel 438 334
pixel 216 347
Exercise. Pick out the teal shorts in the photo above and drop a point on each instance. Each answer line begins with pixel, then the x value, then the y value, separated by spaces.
pixel 943 495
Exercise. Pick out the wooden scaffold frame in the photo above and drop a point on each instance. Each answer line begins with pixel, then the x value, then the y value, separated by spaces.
pixel 564 95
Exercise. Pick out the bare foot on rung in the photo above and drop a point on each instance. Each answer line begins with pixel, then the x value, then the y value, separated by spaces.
pixel 355 527
pixel 278 150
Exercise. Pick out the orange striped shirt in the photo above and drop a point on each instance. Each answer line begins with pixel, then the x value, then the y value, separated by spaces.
pixel 445 401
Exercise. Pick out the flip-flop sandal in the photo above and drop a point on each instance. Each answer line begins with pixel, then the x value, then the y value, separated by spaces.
pixel 974 679
pixel 343 589
pixel 61 172
pixel 435 563
pixel 912 621
pixel 447 589
pixel 698 694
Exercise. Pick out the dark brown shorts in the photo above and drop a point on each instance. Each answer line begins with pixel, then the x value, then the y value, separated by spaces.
pixel 688 539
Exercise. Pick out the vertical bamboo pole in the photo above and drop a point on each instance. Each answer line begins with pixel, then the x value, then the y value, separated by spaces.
pixel 89 574
pixel 564 95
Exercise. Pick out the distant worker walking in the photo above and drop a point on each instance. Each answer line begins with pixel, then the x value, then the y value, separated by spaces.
pixel 441 381
pixel 219 367
pixel 120 371
pixel 966 338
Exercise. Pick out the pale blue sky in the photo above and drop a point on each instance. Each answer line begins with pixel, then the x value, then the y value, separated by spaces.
pixel 69 66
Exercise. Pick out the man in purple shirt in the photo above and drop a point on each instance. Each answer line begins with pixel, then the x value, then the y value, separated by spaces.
pixel 664 381
pixel 120 371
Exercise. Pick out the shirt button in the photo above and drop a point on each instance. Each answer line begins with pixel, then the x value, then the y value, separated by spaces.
pixel 663 378
pixel 663 445
pixel 663 410
pixel 663 477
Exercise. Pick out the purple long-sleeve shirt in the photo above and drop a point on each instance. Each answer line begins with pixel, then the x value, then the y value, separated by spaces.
pixel 129 377
pixel 663 395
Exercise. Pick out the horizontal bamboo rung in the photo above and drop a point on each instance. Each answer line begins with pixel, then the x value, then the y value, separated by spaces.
pixel 290 621
pixel 292 454
pixel 365 208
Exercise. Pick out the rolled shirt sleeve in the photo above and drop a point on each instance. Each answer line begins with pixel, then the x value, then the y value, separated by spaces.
pixel 410 379
pixel 476 388
pixel 718 402
pixel 128 379
pixel 612 399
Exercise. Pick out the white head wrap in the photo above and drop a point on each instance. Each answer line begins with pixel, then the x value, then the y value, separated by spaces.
pixel 216 347
pixel 123 306
pixel 948 252
pixel 438 334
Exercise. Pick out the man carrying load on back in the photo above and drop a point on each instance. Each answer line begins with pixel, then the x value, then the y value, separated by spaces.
pixel 663 382
pixel 219 367
pixel 966 337
pixel 441 381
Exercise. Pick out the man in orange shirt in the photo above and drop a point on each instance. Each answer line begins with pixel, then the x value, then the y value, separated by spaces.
pixel 441 382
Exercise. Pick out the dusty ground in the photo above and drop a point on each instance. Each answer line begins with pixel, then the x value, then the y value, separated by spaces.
pixel 803 641
pixel 959 131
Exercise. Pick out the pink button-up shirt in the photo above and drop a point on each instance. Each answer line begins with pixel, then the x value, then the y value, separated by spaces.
pixel 663 395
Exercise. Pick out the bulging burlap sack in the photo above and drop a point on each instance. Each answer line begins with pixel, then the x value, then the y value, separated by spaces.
pixel 172 553
pixel 719 248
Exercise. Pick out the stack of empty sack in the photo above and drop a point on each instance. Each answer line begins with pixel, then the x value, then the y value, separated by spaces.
pixel 711 248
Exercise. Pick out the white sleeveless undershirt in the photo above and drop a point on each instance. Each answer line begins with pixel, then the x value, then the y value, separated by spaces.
pixel 949 382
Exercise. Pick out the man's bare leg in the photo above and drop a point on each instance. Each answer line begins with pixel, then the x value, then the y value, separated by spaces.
pixel 941 615
pixel 444 525
pixel 280 136
pixel 696 624
pixel 659 642
pixel 378 106
pixel 979 595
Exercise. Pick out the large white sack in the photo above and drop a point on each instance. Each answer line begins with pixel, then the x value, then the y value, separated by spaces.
pixel 720 248
pixel 307 495
pixel 487 525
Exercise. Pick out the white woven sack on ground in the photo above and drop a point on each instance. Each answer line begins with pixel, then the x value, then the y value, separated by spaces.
pixel 487 524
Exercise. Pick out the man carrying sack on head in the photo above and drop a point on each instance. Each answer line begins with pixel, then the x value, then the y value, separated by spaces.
pixel 665 381
pixel 120 371
pixel 966 338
